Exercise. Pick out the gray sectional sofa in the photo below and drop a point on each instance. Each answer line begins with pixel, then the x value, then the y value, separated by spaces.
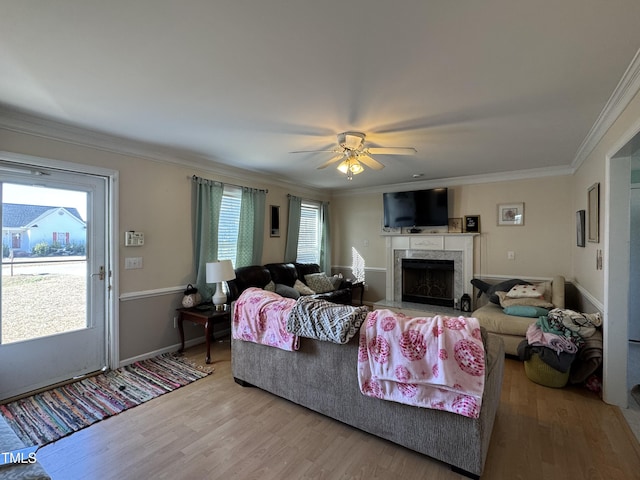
pixel 322 376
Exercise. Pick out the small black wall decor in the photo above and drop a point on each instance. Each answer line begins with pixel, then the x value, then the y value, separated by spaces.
pixel 580 223
pixel 275 221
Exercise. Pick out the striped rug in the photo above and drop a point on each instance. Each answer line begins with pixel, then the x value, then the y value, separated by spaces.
pixel 48 416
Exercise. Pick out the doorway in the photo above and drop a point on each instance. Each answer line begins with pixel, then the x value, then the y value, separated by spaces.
pixel 55 284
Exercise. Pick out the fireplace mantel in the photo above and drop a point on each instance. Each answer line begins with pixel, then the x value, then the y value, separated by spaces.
pixel 418 245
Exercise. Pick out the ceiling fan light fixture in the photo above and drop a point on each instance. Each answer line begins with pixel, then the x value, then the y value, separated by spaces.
pixel 350 167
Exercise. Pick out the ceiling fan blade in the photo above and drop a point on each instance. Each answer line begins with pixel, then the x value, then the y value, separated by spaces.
pixel 317 151
pixel 370 162
pixel 329 162
pixel 392 150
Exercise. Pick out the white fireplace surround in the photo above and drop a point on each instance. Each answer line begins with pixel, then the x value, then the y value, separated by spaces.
pixel 447 246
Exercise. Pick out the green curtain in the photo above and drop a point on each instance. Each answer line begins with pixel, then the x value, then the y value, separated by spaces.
pixel 207 213
pixel 293 229
pixel 325 237
pixel 251 228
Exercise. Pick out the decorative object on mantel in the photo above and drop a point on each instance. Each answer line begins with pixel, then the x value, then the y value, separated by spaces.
pixel 580 217
pixel 510 214
pixel 455 225
pixel 391 230
pixel 593 202
pixel 472 223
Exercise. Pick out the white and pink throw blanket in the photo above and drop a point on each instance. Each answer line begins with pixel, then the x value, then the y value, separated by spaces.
pixel 260 316
pixel 432 362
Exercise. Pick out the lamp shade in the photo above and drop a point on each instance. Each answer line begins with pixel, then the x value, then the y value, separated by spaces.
pixel 220 271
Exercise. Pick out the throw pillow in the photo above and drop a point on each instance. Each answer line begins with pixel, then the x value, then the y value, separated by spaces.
pixel 336 281
pixel 525 311
pixel 526 291
pixel 532 302
pixel 302 288
pixel 319 283
pixel 271 287
pixel 286 291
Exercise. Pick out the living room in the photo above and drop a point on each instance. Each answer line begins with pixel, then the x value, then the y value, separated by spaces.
pixel 154 196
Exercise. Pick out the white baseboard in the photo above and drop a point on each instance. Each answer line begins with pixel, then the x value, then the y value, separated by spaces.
pixel 155 353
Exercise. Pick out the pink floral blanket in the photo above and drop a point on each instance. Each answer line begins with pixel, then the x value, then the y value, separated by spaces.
pixel 261 316
pixel 432 362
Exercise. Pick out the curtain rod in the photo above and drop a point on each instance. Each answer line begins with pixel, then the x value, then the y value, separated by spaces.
pixel 194 178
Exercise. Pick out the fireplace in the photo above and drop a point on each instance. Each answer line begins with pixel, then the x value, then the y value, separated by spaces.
pixel 429 281
pixel 457 248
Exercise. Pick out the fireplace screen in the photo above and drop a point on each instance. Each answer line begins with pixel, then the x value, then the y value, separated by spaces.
pixel 428 281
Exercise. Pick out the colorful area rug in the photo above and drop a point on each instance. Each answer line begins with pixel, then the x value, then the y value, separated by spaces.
pixel 48 416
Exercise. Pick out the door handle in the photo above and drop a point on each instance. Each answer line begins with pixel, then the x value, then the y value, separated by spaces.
pixel 100 273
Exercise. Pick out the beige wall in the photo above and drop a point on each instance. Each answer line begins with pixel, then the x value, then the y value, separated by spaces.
pixel 155 197
pixel 542 246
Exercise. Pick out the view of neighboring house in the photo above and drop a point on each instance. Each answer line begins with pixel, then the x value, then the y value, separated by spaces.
pixel 61 229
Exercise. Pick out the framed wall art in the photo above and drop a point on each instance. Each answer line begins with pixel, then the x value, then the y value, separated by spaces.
pixel 580 223
pixel 275 221
pixel 593 205
pixel 510 214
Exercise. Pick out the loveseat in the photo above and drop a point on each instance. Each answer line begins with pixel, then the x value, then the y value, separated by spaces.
pixel 513 328
pixel 323 376
pixel 284 278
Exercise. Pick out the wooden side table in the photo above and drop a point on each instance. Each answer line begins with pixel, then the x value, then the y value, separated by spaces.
pixel 206 315
pixel 360 286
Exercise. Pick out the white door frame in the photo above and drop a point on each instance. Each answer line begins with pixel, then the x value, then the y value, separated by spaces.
pixel 112 334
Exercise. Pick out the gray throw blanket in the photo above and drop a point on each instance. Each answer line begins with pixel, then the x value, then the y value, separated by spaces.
pixel 323 320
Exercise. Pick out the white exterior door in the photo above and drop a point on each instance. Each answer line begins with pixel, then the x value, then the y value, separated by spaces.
pixel 55 277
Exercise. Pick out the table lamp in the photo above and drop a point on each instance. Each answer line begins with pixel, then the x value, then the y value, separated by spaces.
pixel 218 272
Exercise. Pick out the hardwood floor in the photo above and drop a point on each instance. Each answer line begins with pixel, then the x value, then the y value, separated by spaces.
pixel 215 429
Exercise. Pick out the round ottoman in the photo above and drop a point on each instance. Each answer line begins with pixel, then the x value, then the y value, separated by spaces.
pixel 539 372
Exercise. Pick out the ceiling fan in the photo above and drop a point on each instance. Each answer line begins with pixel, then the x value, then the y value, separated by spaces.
pixel 352 153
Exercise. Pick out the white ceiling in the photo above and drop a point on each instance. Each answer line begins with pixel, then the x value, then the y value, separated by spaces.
pixel 477 87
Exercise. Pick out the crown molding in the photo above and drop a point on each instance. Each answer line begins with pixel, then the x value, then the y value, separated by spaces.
pixel 25 123
pixel 458 181
pixel 627 88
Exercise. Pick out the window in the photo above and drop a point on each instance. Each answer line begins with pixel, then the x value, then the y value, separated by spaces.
pixel 309 237
pixel 229 223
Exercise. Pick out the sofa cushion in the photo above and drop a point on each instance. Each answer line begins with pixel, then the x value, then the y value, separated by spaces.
pixel 287 291
pixel 283 273
pixel 493 318
pixel 319 283
pixel 533 302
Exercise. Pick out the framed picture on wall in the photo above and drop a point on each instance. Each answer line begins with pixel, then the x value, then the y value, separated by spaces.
pixel 510 214
pixel 593 204
pixel 580 222
pixel 275 221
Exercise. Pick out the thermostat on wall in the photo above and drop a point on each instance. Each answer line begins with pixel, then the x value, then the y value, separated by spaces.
pixel 133 239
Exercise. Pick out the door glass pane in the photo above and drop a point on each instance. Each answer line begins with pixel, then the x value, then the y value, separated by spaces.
pixel 44 263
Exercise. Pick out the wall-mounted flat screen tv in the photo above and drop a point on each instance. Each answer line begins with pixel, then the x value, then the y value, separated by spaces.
pixel 418 208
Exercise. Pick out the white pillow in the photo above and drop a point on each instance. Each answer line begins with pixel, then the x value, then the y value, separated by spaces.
pixel 302 288
pixel 526 291
pixel 271 287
